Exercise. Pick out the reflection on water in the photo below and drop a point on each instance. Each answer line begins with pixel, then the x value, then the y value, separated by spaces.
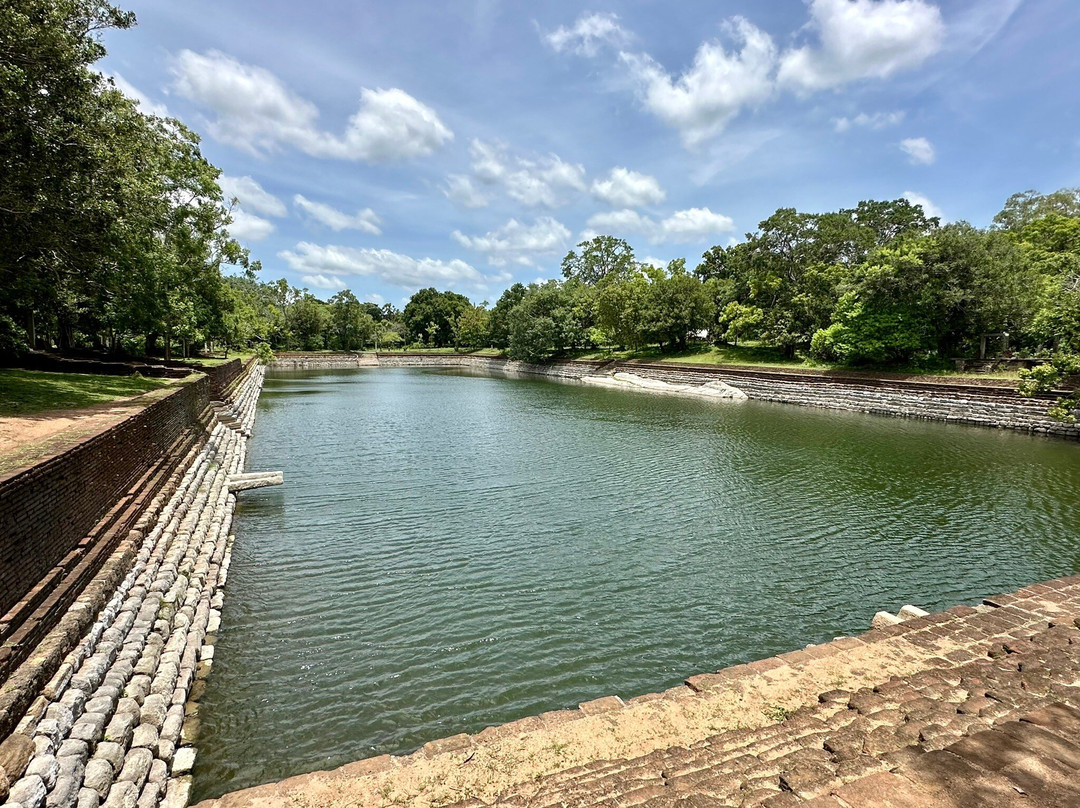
pixel 450 551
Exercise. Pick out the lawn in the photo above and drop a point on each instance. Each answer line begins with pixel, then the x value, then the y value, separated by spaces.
pixel 755 355
pixel 27 392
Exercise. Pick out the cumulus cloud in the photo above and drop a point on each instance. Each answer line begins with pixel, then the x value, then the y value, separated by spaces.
pixel 623 188
pixel 588 34
pixel 719 83
pixel 324 282
pixel 334 262
pixel 249 227
pixel 250 195
pixel 366 221
pixel 256 112
pixel 929 208
pixel 690 225
pixel 879 120
pixel 860 39
pixel 145 104
pixel 461 190
pixel 546 182
pixel 517 242
pixel 919 150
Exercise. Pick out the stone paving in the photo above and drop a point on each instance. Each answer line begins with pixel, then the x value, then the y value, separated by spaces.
pixel 969 707
pixel 116 725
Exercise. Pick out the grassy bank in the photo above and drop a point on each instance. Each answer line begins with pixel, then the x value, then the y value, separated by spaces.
pixel 28 392
pixel 753 355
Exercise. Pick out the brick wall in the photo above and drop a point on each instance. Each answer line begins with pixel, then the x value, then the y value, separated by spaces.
pixel 48 509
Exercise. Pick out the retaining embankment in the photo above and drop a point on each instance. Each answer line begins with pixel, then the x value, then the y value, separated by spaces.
pixel 297 360
pixel 113 725
pixel 62 518
pixel 982 404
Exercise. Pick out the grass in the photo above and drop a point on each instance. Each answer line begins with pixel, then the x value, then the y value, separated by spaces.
pixel 214 361
pixel 28 392
pixel 756 355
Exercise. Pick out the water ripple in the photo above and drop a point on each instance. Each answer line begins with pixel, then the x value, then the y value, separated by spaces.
pixel 451 552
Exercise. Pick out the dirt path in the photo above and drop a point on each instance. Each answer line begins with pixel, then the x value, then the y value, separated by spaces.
pixel 26 439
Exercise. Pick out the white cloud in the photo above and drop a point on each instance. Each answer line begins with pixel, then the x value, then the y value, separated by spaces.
pixel 628 189
pixel 461 190
pixel 690 225
pixel 919 150
pixel 256 112
pixel 516 242
pixel 145 104
pixel 929 208
pixel 653 261
pixel 390 125
pixel 860 39
pixel 251 195
pixel 546 182
pixel 324 282
pixel 702 101
pixel 248 226
pixel 587 34
pixel 879 120
pixel 366 221
pixel 695 224
pixel 488 160
pixel 334 262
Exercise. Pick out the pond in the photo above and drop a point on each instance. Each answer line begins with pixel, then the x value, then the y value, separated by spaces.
pixel 452 551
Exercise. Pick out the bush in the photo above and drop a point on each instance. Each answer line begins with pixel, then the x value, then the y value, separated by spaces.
pixel 264 353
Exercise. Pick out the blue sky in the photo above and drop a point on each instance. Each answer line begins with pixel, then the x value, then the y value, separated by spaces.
pixel 466 145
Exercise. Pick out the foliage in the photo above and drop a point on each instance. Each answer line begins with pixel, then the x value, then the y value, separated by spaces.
pixel 264 353
pixel 111 221
pixel 551 319
pixel 471 328
pixel 600 257
pixel 1049 377
pixel 429 317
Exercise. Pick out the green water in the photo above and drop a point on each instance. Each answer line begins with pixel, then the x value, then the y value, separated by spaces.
pixel 451 551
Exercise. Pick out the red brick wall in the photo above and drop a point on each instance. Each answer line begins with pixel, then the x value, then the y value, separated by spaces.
pixel 45 511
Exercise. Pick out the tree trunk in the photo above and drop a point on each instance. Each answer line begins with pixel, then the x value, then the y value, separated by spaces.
pixel 31 329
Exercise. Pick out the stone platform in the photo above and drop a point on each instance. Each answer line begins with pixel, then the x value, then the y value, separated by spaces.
pixel 969 707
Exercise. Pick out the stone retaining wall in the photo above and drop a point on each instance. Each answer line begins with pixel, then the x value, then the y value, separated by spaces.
pixel 982 404
pixel 114 725
pixel 314 361
pixel 63 519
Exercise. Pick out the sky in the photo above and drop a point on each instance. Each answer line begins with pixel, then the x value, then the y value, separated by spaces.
pixel 467 145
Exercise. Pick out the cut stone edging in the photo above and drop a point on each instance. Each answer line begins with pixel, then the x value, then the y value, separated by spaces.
pixel 116 724
pixel 974 404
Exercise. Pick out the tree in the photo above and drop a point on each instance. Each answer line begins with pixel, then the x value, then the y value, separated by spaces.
pixel 1026 207
pixel 677 305
pixel 499 324
pixel 354 326
pixel 552 318
pixel 429 316
pixel 600 257
pixel 471 327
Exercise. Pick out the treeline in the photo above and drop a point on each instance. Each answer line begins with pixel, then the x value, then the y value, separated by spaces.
pixel 881 283
pixel 113 230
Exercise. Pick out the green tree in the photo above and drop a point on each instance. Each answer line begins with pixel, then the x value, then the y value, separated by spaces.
pixel 499 324
pixel 471 327
pixel 600 257
pixel 678 305
pixel 551 319
pixel 430 315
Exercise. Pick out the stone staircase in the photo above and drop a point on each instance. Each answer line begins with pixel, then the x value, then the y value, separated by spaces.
pixel 887 718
